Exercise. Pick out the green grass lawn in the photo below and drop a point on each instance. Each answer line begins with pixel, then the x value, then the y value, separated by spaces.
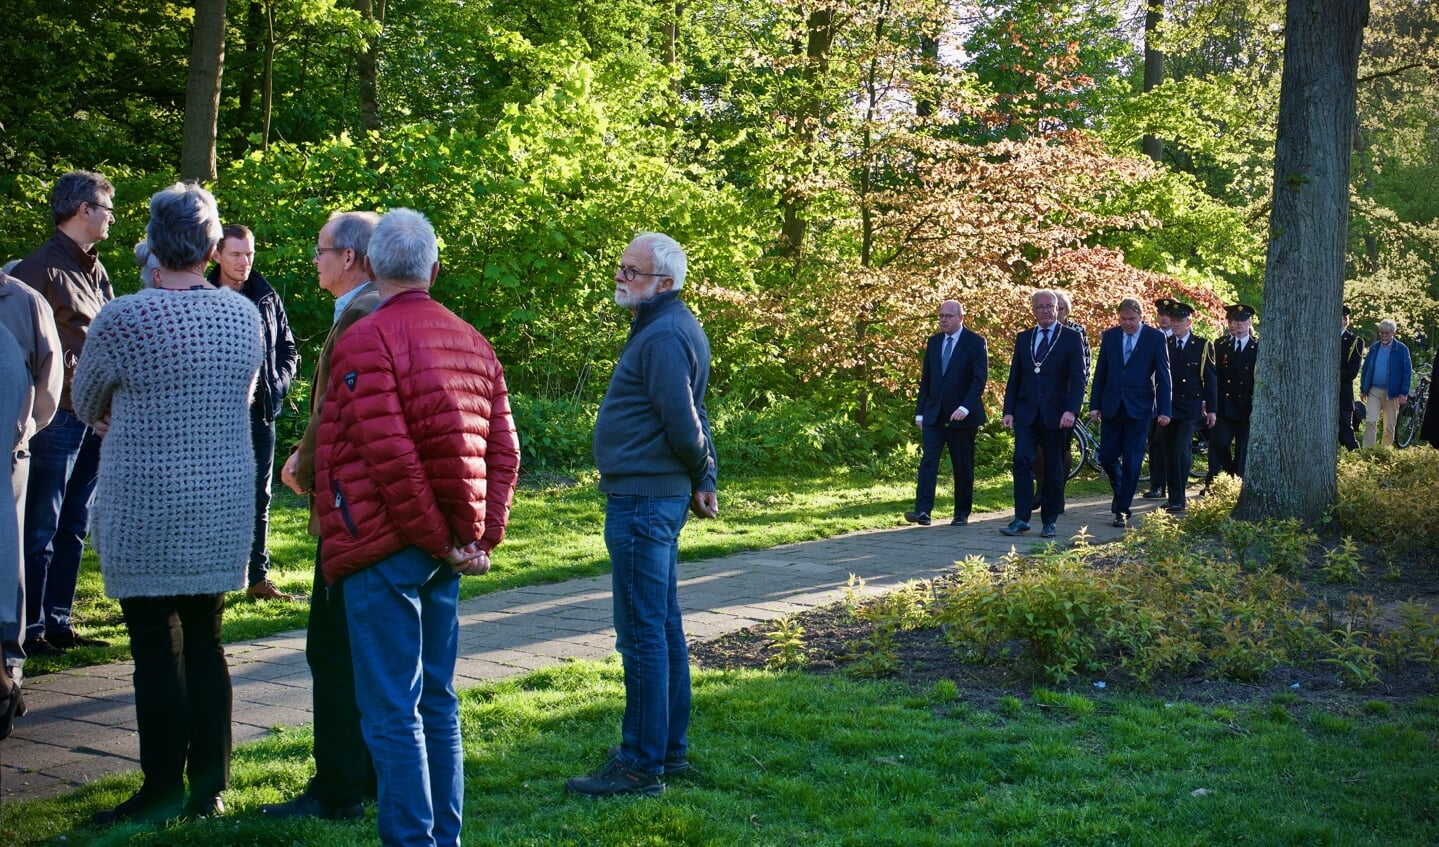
pixel 797 759
pixel 555 534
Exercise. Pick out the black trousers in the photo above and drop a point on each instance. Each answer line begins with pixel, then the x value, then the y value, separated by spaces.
pixel 1346 425
pixel 344 773
pixel 1177 443
pixel 960 441
pixel 182 694
pixel 1158 474
pixel 1230 441
pixel 1030 441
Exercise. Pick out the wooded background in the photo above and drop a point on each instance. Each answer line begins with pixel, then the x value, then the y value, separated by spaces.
pixel 834 168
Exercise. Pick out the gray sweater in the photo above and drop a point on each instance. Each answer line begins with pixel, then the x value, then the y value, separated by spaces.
pixel 652 435
pixel 175 498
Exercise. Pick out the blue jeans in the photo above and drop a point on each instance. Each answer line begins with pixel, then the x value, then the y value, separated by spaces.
pixel 404 637
pixel 642 536
pixel 262 435
pixel 64 458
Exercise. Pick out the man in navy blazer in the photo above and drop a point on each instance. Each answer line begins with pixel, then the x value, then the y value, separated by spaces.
pixel 1131 384
pixel 949 411
pixel 1042 400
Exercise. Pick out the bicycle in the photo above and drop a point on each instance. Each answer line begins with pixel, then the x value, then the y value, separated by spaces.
pixel 1084 449
pixel 1411 417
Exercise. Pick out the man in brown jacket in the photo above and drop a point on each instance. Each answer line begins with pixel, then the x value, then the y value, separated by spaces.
pixel 64 456
pixel 344 774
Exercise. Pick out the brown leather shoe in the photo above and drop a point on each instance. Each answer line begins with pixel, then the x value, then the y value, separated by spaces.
pixel 266 590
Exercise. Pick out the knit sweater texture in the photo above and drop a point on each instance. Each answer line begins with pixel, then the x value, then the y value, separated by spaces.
pixel 174 505
pixel 652 434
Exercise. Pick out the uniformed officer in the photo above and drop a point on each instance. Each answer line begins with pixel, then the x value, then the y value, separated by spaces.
pixel 1351 359
pixel 1234 358
pixel 1191 371
pixel 1162 318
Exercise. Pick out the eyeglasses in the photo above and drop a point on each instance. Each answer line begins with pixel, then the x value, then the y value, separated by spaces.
pixel 320 251
pixel 943 315
pixel 109 210
pixel 630 273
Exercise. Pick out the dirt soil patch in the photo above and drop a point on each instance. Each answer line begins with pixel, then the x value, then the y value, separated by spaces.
pixel 833 636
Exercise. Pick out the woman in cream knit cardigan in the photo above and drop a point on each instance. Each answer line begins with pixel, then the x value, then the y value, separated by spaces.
pixel 166 378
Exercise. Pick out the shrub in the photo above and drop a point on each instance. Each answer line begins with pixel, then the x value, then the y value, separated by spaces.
pixel 1390 497
pixel 555 435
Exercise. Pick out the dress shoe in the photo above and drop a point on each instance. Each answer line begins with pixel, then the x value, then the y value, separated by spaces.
pixel 921 518
pixel 1174 508
pixel 1154 494
pixel 267 590
pixel 307 805
pixel 39 646
pixel 1047 532
pixel 69 639
pixel 1121 521
pixel 204 807
pixel 958 521
pixel 1016 527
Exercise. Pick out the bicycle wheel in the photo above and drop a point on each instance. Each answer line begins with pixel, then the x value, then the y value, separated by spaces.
pixel 1078 451
pixel 1406 426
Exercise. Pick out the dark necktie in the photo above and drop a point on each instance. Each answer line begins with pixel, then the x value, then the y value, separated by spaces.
pixel 948 348
pixel 1043 349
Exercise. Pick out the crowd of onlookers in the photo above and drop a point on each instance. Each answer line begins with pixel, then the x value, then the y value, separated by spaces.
pixel 146 423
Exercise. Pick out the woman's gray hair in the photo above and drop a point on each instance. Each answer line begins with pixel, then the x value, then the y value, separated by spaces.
pixel 1389 324
pixel 147 262
pixel 669 256
pixel 184 226
pixel 403 247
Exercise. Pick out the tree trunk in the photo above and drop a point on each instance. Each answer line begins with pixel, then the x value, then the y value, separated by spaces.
pixel 820 29
pixel 202 92
pixel 1153 68
pixel 367 62
pixel 267 86
pixel 1296 399
pixel 250 67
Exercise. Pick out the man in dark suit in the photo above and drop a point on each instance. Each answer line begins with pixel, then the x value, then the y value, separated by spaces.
pixel 1042 399
pixel 1195 399
pixel 1351 360
pixel 1234 359
pixel 949 411
pixel 1131 382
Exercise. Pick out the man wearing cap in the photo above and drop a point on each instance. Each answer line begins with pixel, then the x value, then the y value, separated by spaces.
pixel 1351 359
pixel 1234 359
pixel 950 411
pixel 1131 382
pixel 1157 474
pixel 1191 372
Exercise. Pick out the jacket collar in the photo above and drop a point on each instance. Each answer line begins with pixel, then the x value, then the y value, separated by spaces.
pixel 86 259
pixel 255 289
pixel 652 307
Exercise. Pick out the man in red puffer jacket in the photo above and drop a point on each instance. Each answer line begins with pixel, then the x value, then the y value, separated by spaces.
pixel 415 469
